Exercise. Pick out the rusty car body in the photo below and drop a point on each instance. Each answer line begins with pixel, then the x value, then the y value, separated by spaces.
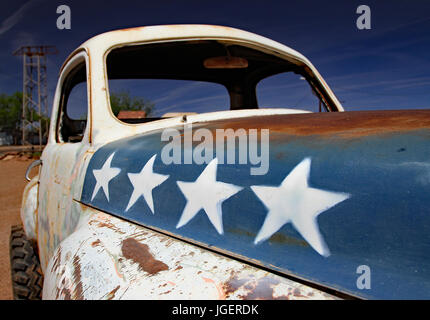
pixel 91 246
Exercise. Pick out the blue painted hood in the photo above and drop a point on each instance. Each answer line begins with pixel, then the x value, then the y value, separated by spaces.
pixel 383 223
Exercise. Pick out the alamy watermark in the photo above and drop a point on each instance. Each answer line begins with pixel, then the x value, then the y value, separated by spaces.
pixel 238 146
pixel 364 20
pixel 64 21
pixel 364 280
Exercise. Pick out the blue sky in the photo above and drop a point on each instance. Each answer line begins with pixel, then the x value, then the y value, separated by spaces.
pixel 387 67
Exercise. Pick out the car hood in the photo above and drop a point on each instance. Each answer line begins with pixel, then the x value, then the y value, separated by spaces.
pixel 342 190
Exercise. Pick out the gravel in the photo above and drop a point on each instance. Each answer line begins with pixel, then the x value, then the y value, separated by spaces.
pixel 12 183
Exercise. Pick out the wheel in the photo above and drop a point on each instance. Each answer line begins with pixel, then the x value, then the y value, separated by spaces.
pixel 27 277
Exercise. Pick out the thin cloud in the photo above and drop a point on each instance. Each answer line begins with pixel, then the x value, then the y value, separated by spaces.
pixel 16 16
pixel 389 83
pixel 179 92
pixel 421 168
pixel 190 102
pixel 382 49
pixel 23 39
pixel 396 27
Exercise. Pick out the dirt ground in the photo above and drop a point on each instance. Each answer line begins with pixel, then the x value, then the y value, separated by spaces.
pixel 12 183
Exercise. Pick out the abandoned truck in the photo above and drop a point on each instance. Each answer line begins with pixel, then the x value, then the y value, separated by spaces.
pixel 250 197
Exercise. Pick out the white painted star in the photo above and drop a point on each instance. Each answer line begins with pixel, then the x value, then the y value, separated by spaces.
pixel 144 182
pixel 294 201
pixel 103 176
pixel 208 194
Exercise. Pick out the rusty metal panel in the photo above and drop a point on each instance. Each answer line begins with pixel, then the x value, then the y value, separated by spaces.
pixel 61 180
pixel 29 208
pixel 375 163
pixel 109 258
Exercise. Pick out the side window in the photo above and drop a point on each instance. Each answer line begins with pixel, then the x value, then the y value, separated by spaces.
pixel 287 90
pixel 72 118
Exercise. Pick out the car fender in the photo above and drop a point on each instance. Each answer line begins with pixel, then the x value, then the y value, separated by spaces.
pixel 29 208
pixel 110 258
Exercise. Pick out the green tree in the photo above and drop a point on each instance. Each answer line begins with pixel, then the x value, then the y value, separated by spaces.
pixel 123 101
pixel 11 117
pixel 10 114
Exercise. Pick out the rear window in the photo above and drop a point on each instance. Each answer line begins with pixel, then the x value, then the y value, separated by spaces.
pixel 150 81
pixel 287 90
pixel 165 97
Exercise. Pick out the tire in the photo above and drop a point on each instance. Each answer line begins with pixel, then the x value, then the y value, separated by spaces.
pixel 27 277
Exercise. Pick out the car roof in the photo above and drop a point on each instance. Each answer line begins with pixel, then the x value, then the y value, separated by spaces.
pixel 104 42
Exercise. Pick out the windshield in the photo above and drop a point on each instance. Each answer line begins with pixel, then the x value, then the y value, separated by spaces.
pixel 154 81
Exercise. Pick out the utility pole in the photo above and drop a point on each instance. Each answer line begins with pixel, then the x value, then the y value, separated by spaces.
pixel 34 86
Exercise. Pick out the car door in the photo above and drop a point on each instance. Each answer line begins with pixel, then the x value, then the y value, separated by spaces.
pixel 64 157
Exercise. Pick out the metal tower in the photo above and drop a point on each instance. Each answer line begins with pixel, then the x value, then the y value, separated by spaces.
pixel 34 89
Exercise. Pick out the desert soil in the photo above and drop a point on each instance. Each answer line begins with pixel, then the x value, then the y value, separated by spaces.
pixel 12 183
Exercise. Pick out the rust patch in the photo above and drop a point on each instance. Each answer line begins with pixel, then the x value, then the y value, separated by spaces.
pixel 66 294
pixel 107 224
pixel 284 239
pixel 344 124
pixel 233 284
pixel 276 238
pixel 77 279
pixel 111 294
pixel 57 261
pixel 221 294
pixel 139 253
pixel 242 232
pixel 95 243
